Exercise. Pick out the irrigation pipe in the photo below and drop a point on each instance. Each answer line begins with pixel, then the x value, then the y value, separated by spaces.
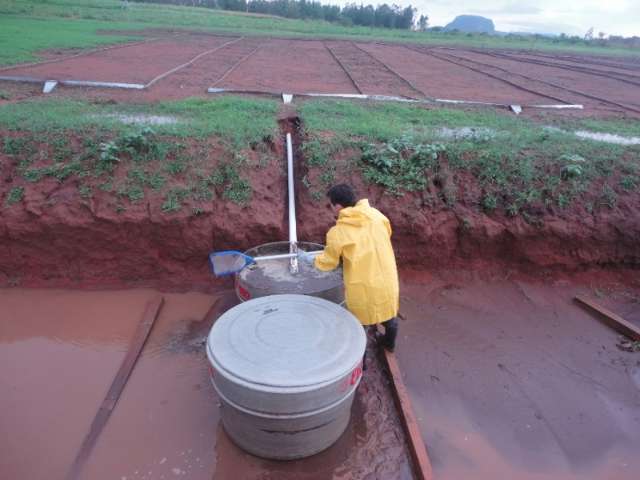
pixel 293 234
pixel 391 98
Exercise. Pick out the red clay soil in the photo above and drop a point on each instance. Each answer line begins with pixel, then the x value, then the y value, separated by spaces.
pixel 368 73
pixel 133 64
pixel 441 79
pixel 54 237
pixel 292 66
pixel 60 350
pixel 608 88
pixel 512 379
pixel 614 69
pixel 428 233
pixel 204 73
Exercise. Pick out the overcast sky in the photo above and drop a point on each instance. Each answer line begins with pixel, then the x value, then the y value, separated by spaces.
pixel 615 17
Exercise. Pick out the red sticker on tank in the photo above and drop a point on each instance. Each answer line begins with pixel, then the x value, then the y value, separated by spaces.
pixel 355 375
pixel 243 293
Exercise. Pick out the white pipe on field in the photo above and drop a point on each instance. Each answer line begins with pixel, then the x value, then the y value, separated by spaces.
pixel 293 234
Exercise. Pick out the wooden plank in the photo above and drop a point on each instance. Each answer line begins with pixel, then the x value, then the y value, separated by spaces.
pixel 117 386
pixel 417 447
pixel 613 320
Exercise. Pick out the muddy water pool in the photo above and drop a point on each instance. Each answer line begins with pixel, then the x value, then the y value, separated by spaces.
pixel 59 351
pixel 512 379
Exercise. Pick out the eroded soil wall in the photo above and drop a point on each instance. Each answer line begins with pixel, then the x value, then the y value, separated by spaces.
pixel 54 238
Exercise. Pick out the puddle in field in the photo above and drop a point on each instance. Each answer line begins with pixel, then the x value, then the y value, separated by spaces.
pixel 608 138
pixel 467 133
pixel 598 136
pixel 141 119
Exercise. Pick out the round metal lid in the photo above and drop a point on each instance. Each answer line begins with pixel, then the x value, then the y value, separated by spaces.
pixel 286 341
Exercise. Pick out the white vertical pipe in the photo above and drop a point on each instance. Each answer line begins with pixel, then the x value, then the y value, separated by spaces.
pixel 293 234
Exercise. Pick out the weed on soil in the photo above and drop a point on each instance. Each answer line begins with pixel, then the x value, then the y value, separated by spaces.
pixel 190 162
pixel 497 162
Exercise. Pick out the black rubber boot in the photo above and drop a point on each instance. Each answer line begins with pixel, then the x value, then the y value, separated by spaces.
pixel 388 340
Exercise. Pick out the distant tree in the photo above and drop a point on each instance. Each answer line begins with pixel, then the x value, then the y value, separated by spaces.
pixel 423 23
pixel 589 35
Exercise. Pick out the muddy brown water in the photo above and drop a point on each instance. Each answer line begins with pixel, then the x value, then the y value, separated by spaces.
pixel 508 378
pixel 512 379
pixel 59 351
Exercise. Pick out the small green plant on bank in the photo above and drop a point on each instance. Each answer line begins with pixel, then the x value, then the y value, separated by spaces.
pixel 401 164
pixel 174 198
pixel 85 191
pixel 608 196
pixel 512 165
pixel 629 183
pixel 60 171
pixel 132 191
pixel 14 146
pixel 15 195
pixel 4 95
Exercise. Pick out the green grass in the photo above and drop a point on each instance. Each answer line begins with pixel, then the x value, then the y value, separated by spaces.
pixel 519 165
pixel 235 119
pixel 78 23
pixel 14 196
pixel 86 143
pixel 384 121
pixel 22 37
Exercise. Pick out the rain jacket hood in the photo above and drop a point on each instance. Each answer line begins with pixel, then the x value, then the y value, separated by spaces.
pixel 362 239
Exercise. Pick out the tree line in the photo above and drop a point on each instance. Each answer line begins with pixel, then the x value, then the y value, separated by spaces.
pixel 384 15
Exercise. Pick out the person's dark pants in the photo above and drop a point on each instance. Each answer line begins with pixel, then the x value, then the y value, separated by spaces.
pixel 388 340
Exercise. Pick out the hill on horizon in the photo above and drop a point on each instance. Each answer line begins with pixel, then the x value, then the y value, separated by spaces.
pixel 471 24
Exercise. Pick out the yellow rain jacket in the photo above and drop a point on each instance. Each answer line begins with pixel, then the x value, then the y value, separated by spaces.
pixel 362 237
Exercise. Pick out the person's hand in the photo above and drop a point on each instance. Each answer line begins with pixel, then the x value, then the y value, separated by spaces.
pixel 306 257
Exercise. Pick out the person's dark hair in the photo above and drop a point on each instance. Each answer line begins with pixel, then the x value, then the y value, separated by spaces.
pixel 342 194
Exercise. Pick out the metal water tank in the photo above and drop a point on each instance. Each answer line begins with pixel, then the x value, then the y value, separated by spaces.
pixel 273 277
pixel 286 368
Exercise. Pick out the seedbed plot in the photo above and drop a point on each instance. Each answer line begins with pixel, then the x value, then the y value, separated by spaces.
pixel 607 88
pixel 442 79
pixel 372 76
pixel 138 63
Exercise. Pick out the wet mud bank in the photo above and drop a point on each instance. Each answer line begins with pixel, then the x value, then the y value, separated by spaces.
pixel 433 235
pixel 54 236
pixel 54 239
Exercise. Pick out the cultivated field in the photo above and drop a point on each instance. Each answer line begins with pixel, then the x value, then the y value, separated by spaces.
pixel 182 65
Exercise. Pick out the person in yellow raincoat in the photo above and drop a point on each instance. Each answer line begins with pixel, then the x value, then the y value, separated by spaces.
pixel 361 237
